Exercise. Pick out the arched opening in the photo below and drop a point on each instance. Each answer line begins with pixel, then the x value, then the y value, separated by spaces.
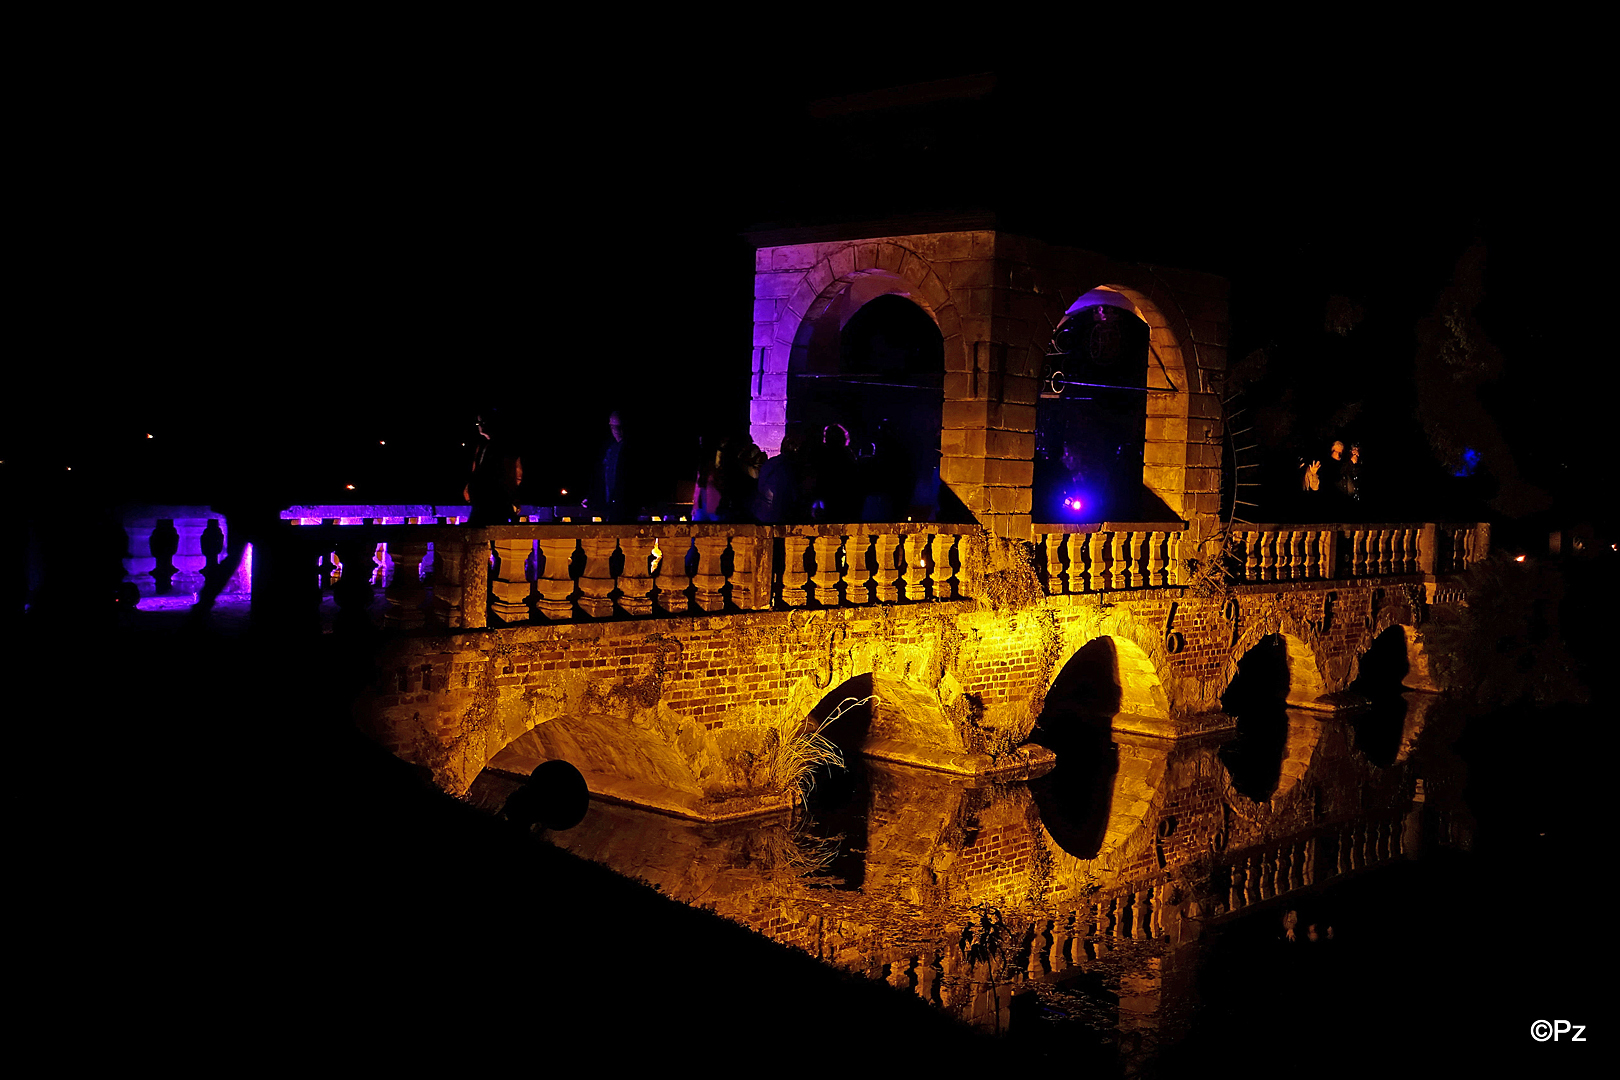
pixel 838 803
pixel 1091 419
pixel 864 400
pixel 1380 672
pixel 1257 700
pixel 1076 725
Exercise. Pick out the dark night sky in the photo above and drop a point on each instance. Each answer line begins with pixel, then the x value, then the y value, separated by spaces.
pixel 273 286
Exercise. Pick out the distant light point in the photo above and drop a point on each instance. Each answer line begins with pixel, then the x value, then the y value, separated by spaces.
pixel 349 487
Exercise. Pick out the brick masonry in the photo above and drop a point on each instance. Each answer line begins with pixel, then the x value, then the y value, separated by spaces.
pixel 689 703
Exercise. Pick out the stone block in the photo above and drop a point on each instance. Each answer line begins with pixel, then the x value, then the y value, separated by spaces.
pixel 774 286
pixel 974 327
pixel 865 256
pixel 984 244
pixel 773 385
pixel 964 414
pixel 1164 453
pixel 793 257
pixel 949 324
pixel 764 334
pixel 970 273
pixel 978 301
pixel 1204 454
pixel 1016 445
pixel 1204 406
pixel 1163 478
pixel 968 442
pixel 819 278
pixel 1166 429
pixel 842 261
pixel 932 292
pixel 971 495
pixel 1203 479
pixel 958 353
pixel 1012 417
pixel 953 245
pixel 1008 500
pixel 958 385
pixel 889 257
pixel 1009 473
pixel 962 470
pixel 767 411
pixel 765 311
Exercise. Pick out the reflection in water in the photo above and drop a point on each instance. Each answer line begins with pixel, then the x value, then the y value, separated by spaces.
pixel 1076 902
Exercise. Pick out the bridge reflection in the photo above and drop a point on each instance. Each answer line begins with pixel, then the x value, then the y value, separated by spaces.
pixel 972 893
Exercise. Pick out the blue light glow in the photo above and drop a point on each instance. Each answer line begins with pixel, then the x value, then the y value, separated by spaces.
pixel 1470 462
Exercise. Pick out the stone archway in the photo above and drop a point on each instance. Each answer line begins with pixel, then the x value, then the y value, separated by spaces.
pixel 1170 407
pixel 807 281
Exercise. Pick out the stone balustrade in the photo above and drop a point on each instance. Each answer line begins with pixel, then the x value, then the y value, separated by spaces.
pixel 434 570
pixel 431 571
pixel 1073 559
pixel 1266 553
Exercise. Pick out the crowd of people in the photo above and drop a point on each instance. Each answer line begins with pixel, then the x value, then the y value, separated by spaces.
pixel 819 474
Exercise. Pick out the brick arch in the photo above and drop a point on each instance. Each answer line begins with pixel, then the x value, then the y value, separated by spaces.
pixel 1307 680
pixel 905 271
pixel 907 719
pixel 1142 690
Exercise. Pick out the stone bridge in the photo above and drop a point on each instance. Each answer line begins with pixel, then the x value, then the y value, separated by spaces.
pixel 681 666
pixel 684 666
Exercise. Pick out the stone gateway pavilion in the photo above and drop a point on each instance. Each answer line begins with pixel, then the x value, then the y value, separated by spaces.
pixel 681 666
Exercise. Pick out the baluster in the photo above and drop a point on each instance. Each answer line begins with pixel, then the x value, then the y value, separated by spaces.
pixel 1459 549
pixel 635 583
pixel 1155 565
pixel 710 579
pixel 1413 559
pixel 1139 916
pixel 940 571
pixel 1312 850
pixel 1102 567
pixel 1103 915
pixel 1385 555
pixel 1268 556
pixel 1358 541
pixel 1082 563
pixel 1172 554
pixel 1251 556
pixel 916 575
pixel 1344 860
pixel 510 588
pixel 1122 577
pixel 1234 888
pixel 1251 889
pixel 1297 868
pixel 449 552
pixel 596 580
pixel 859 580
pixel 1268 876
pixel 1284 866
pixel 1297 567
pixel 794 576
pixel 554 585
pixel 405 591
pixel 672 577
pixel 886 579
pixel 189 559
pixel 1121 914
pixel 825 579
pixel 1054 563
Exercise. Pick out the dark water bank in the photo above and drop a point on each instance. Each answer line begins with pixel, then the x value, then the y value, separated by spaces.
pixel 211 862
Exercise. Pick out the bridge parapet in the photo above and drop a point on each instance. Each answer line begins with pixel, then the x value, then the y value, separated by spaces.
pixel 455 577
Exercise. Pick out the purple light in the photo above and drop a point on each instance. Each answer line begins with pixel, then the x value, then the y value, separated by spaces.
pixel 247 567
